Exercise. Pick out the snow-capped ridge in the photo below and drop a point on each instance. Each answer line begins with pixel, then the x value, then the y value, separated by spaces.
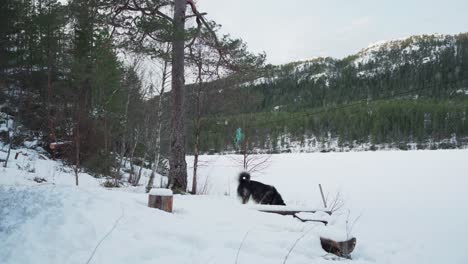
pixel 428 46
pixel 377 58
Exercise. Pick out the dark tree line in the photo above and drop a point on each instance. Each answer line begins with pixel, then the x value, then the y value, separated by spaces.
pixel 394 123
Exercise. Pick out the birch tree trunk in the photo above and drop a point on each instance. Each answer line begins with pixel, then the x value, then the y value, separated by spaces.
pixel 123 144
pixel 138 177
pixel 9 143
pixel 77 146
pixel 157 153
pixel 197 143
pixel 131 177
pixel 197 130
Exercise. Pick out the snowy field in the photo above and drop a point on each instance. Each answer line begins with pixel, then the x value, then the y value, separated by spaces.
pixel 403 207
pixel 412 205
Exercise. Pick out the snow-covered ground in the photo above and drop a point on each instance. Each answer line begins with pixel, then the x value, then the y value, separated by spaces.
pixel 411 207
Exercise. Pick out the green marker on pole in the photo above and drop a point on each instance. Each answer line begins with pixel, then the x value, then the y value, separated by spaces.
pixel 238 137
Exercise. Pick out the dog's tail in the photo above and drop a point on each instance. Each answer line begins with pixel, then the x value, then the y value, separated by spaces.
pixel 244 176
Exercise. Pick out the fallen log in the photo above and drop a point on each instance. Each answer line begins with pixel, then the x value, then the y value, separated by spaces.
pixel 292 212
pixel 287 210
pixel 310 220
pixel 20 152
pixel 39 180
pixel 341 249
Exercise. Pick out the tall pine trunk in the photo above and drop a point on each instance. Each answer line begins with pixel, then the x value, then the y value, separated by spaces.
pixel 178 165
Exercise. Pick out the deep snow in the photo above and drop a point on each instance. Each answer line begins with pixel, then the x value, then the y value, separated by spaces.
pixel 411 207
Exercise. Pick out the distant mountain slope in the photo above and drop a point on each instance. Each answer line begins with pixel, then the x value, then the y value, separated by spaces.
pixel 411 90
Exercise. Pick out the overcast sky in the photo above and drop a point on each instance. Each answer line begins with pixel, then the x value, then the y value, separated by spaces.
pixel 289 30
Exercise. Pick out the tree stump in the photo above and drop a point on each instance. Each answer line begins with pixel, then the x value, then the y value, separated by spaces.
pixel 341 249
pixel 161 199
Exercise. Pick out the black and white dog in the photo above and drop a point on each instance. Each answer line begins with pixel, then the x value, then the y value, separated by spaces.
pixel 260 193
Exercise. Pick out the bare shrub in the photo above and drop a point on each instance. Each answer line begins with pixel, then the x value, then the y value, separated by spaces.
pixel 350 224
pixel 205 187
pixel 335 202
pixel 253 163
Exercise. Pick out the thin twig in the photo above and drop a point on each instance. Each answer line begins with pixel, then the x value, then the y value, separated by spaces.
pixel 347 224
pixel 295 243
pixel 323 197
pixel 336 204
pixel 108 233
pixel 241 244
pixel 349 229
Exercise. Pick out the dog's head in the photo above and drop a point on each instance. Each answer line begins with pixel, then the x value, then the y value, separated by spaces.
pixel 244 177
pixel 243 190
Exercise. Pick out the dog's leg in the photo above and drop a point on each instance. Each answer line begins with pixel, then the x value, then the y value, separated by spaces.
pixel 267 198
pixel 245 196
pixel 277 199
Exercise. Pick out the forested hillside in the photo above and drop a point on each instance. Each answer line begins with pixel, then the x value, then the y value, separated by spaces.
pixel 408 93
pixel 82 79
pixel 64 80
